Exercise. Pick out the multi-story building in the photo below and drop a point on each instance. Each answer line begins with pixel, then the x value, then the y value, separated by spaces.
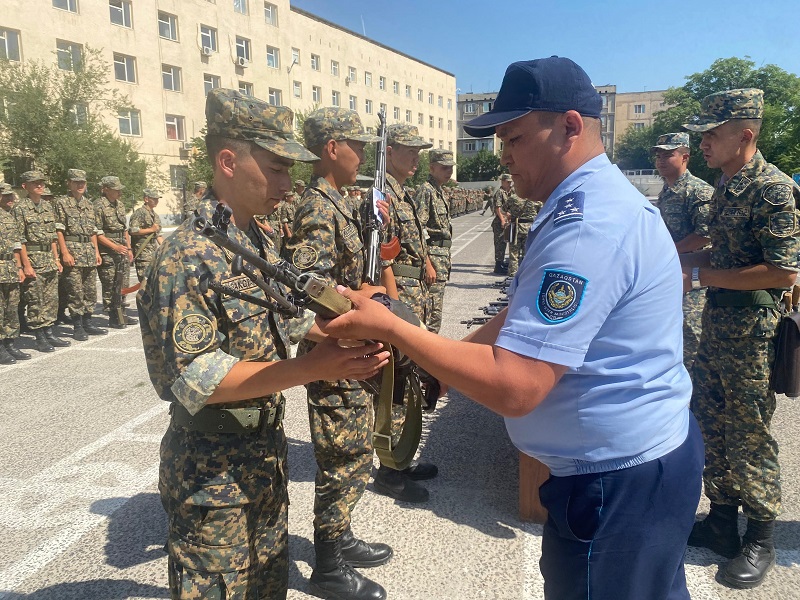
pixel 638 109
pixel 166 55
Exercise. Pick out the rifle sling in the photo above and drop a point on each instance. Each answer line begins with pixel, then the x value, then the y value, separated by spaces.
pixel 143 246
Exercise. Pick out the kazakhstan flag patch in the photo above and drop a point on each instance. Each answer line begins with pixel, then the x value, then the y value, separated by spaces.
pixel 560 295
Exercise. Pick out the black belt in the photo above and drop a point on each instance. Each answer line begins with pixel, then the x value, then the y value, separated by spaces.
pixel 229 420
pixel 741 299
pixel 78 238
pixel 37 247
pixel 525 220
pixel 441 243
pixel 7 256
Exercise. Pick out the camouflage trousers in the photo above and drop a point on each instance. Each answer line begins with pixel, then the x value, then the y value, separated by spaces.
pixel 9 317
pixel 433 312
pixel 226 501
pixel 499 241
pixel 141 267
pixel 734 406
pixel 40 297
pixel 516 250
pixel 113 273
pixel 693 303
pixel 80 285
pixel 341 431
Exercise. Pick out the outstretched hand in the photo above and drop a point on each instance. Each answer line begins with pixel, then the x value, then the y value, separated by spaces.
pixel 368 320
pixel 333 361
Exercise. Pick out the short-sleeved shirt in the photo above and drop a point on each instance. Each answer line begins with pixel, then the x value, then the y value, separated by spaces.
pixel 10 242
pixel 38 225
pixel 686 206
pixel 111 221
pixel 434 212
pixel 75 218
pixel 144 246
pixel 600 291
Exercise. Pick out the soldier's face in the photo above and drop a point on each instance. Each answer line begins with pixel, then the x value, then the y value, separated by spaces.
pixel 402 161
pixel 112 195
pixel 76 188
pixel 723 146
pixel 350 155
pixel 441 173
pixel 34 189
pixel 260 181
pixel 670 163
pixel 151 202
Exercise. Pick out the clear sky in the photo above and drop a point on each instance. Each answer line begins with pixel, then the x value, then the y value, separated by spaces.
pixel 637 45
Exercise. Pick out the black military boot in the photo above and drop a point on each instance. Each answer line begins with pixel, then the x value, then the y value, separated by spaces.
pixel 42 344
pixel 756 558
pixel 498 268
pixel 5 357
pixel 718 531
pixel 78 333
pixel 394 484
pixel 90 328
pixel 55 341
pixel 334 579
pixel 131 320
pixel 116 319
pixel 420 471
pixel 14 351
pixel 359 554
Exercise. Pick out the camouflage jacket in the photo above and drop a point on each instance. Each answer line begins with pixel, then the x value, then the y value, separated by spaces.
pixel 110 221
pixel 38 225
pixel 75 218
pixel 685 206
pixel 143 218
pixel 499 200
pixel 193 336
pixel 287 212
pixel 434 213
pixel 405 224
pixel 520 208
pixel 10 244
pixel 754 218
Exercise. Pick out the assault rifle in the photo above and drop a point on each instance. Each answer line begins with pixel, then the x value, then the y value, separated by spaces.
pixel 476 321
pixel 372 224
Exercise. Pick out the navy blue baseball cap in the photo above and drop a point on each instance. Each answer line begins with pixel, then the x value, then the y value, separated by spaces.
pixel 554 84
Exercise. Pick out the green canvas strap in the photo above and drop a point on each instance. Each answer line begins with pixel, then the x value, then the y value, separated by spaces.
pixel 143 246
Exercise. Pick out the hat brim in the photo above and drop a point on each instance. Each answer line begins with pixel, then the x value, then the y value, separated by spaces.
pixel 703 126
pixel 83 179
pixel 666 147
pixel 485 124
pixel 415 143
pixel 366 138
pixel 445 163
pixel 287 149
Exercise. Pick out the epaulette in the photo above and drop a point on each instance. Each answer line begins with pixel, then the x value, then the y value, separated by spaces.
pixel 568 208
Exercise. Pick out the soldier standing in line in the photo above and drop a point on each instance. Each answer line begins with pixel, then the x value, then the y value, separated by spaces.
pixel 522 213
pixel 145 232
pixel 435 215
pixel 40 262
pixel 287 214
pixel 751 263
pixel 685 205
pixel 328 241
pixel 114 244
pixel 191 203
pixel 299 187
pixel 80 257
pixel 499 223
pixel 11 277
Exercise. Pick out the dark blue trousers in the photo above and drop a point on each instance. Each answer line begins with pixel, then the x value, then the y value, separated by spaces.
pixel 621 535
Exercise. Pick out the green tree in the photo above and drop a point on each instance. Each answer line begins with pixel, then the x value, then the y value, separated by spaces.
pixel 483 166
pixel 54 121
pixel 633 148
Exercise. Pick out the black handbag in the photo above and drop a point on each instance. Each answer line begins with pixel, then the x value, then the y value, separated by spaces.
pixel 785 378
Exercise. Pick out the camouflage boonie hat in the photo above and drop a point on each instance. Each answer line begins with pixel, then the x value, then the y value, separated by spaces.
pixel 151 193
pixel 198 185
pixel 334 123
pixel 6 189
pixel 76 175
pixel 231 114
pixel 29 176
pixel 111 182
pixel 443 157
pixel 405 135
pixel 671 141
pixel 719 108
pixel 506 177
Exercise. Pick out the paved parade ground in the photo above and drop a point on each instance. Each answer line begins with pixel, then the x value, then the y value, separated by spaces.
pixel 81 519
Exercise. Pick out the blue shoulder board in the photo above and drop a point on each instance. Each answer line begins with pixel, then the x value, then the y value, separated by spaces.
pixel 568 208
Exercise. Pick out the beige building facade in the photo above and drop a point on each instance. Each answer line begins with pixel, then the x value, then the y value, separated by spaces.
pixel 166 54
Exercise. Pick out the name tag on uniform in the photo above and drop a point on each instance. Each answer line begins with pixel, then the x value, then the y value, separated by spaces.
pixel 242 283
pixel 350 232
pixel 735 212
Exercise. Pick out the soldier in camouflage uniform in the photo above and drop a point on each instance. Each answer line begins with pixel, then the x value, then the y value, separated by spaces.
pixel 287 214
pixel 77 243
pixel 40 262
pixel 327 240
pixel 11 276
pixel 191 203
pixel 435 215
pixel 114 244
pixel 684 202
pixel 488 192
pixel 752 262
pixel 299 188
pixel 144 229
pixel 521 214
pixel 219 361
pixel 500 222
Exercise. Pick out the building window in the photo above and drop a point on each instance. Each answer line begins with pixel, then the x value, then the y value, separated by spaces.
pixel 368 78
pixel 243 48
pixel 271 14
pixel 469 146
pixel 275 97
pixel 9 44
pixel 335 68
pixel 353 103
pixel 70 5
pixel 396 87
pixel 315 62
pixel 240 6
pixel 120 12
pixel 177 176
pixel 246 88
pixel 171 78
pixel 440 101
pixel 419 94
pixel 449 104
pixel 297 89
pixel 69 55
pixel 168 27
pixel 210 82
pixel 316 94
pixel 295 56
pixel 449 125
pixel 430 121
pixel 79 112
pixel 381 82
pixel 430 97
pixel 420 118
pixel 336 98
pixel 175 130
pixel 487 106
pixel 441 123
pixel 396 113
pixel 638 125
pixel 638 109
pixel 208 37
pixel 382 108
pixel 469 108
pixel 352 74
pixel 430 141
pixel 129 122
pixel 408 116
pixel 273 57
pixel 368 107
pixel 408 91
pixel 450 146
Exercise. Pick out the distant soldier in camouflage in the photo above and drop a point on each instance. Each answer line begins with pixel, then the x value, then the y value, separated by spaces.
pixel 199 190
pixel 488 192
pixel 40 262
pixel 219 361
pixel 299 187
pixel 77 243
pixel 500 222
pixel 521 214
pixel 435 216
pixel 114 244
pixel 144 229
pixel 11 276
pixel 751 263
pixel 327 240
pixel 685 205
pixel 273 219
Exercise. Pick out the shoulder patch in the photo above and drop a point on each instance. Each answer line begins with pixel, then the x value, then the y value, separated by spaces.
pixel 193 334
pixel 304 257
pixel 568 208
pixel 560 295
pixel 777 194
pixel 782 224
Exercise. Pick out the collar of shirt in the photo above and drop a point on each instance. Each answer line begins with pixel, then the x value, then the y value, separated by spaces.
pixel 745 176
pixel 680 182
pixel 323 186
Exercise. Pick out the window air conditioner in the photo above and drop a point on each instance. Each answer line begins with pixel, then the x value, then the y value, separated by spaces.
pixel 186 146
pixel 241 61
pixel 207 51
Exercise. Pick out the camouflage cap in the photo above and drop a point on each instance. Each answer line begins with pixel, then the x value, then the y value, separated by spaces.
pixel 443 157
pixel 405 135
pixel 111 182
pixel 76 175
pixel 300 182
pixel 29 176
pixel 333 123
pixel 231 114
pixel 670 141
pixel 151 193
pixel 289 194
pixel 6 189
pixel 505 177
pixel 198 185
pixel 719 108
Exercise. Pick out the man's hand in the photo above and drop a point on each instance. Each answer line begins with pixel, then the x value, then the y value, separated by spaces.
pixel 383 209
pixel 98 260
pixel 430 272
pixel 330 361
pixel 21 275
pixel 29 272
pixel 368 320
pixel 121 249
pixel 68 260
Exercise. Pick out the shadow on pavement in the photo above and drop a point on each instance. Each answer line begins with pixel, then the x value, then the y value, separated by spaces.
pixel 137 531
pixel 96 589
pixel 300 550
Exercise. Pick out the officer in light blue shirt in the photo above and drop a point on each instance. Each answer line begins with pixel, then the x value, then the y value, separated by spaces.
pixel 586 364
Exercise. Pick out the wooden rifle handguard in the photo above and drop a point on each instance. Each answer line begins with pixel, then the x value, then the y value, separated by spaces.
pixel 390 250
